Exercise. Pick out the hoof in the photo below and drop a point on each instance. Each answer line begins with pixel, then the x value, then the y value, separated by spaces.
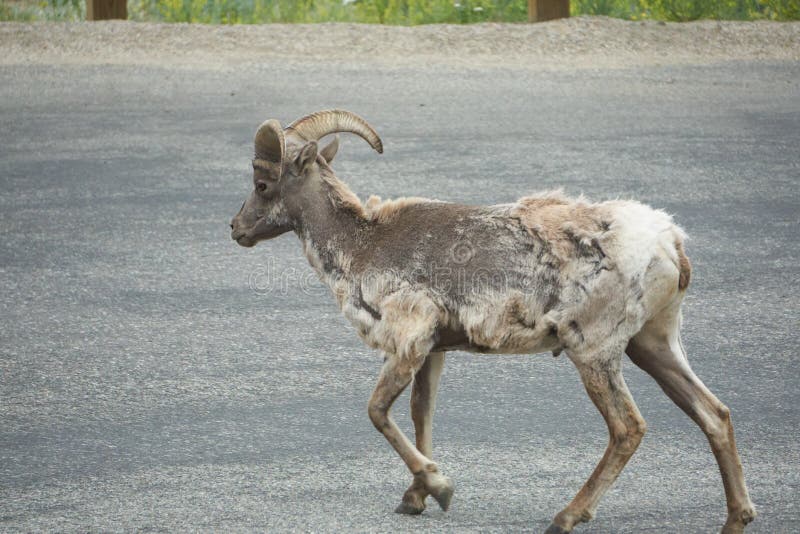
pixel 408 509
pixel 444 494
pixel 732 528
pixel 737 520
pixel 555 529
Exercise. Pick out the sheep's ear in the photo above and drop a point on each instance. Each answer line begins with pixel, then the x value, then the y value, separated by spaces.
pixel 269 141
pixel 329 151
pixel 306 158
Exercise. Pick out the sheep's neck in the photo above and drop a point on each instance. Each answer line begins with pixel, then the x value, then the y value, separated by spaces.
pixel 331 235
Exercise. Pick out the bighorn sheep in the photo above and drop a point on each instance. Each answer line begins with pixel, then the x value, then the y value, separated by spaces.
pixel 419 278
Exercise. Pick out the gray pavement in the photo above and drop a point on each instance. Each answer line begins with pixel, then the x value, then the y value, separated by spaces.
pixel 155 376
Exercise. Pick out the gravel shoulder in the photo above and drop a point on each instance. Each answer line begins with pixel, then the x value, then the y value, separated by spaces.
pixel 581 42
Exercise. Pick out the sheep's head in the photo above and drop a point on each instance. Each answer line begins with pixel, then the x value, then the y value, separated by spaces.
pixel 281 157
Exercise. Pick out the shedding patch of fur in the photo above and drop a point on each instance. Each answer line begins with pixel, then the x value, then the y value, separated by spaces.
pixel 568 225
pixel 409 322
pixel 508 323
pixel 383 211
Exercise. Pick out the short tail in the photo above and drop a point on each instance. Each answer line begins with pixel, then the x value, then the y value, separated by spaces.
pixel 684 266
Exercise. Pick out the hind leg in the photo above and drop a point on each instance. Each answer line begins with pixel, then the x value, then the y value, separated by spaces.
pixel 423 403
pixel 657 349
pixel 601 375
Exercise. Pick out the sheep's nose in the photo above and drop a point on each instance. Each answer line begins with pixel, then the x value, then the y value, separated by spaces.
pixel 231 225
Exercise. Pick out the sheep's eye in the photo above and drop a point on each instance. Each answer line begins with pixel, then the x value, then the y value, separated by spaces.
pixel 261 187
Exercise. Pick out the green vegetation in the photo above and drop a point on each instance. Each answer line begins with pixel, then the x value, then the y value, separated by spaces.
pixel 23 10
pixel 406 12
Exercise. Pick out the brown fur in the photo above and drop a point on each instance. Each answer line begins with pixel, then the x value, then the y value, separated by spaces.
pixel 340 194
pixel 684 265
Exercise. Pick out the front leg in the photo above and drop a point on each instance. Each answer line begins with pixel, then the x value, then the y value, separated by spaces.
pixel 423 404
pixel 395 376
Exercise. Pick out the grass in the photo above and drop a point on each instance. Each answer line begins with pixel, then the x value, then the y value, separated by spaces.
pixel 403 12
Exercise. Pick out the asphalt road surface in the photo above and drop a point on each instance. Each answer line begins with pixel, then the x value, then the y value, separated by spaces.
pixel 156 376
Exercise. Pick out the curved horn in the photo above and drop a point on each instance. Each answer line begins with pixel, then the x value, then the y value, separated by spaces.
pixel 313 127
pixel 270 143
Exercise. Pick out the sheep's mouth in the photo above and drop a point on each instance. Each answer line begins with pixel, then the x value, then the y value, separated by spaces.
pixel 241 238
pixel 245 241
pixel 260 231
